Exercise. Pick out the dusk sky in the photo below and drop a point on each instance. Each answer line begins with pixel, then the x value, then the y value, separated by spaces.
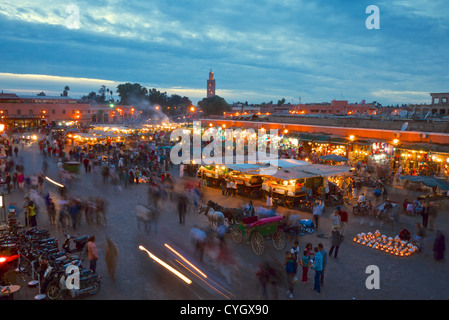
pixel 259 51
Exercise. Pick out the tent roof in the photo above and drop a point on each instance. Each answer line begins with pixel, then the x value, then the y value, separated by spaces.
pixel 429 181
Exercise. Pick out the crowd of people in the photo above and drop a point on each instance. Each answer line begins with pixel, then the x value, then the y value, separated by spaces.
pixel 123 166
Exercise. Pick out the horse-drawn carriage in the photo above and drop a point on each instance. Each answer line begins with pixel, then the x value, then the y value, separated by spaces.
pixel 258 230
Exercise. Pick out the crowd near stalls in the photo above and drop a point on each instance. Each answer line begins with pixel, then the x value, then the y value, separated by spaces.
pixel 363 163
pixel 289 183
pixel 120 155
pixel 131 154
pixel 371 160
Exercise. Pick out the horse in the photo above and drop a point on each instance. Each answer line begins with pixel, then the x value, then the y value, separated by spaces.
pixel 215 217
pixel 145 216
pixel 232 215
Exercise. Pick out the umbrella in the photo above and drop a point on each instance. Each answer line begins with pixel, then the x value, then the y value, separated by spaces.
pixel 429 181
pixel 333 157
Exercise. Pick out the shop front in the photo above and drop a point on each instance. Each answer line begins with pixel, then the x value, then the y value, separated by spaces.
pixel 426 160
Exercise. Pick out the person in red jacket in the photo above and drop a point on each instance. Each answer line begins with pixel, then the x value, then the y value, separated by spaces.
pixel 21 180
pixel 343 219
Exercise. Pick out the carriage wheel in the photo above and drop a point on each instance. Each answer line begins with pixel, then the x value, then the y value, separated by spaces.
pixel 264 194
pixel 288 202
pixel 279 240
pixel 236 234
pixel 257 243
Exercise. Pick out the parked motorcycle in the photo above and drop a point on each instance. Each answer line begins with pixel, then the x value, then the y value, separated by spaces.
pixel 89 283
pixel 80 243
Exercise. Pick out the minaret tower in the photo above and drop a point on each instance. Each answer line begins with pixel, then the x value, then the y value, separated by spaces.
pixel 211 85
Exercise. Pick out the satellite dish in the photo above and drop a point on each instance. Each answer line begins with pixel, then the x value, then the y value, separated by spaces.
pixel 404 126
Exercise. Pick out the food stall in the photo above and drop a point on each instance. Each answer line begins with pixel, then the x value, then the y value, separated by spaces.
pixel 248 180
pixel 290 185
pixel 286 187
pixel 212 175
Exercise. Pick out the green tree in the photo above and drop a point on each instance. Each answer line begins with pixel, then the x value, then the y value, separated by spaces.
pixel 157 98
pixel 129 92
pixel 65 93
pixel 215 105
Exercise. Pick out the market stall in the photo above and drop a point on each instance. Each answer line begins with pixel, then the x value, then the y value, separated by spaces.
pixel 290 185
pixel 286 187
pixel 248 180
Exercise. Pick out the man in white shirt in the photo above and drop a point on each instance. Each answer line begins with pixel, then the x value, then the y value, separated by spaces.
pixel 318 210
pixel 362 198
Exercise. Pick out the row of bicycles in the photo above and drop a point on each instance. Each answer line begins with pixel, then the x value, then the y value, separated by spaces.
pixel 33 258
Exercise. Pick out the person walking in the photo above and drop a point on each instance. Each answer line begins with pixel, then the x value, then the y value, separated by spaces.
pixel 8 182
pixel 433 211
pixel 51 212
pixel 111 257
pixel 263 277
pixel 439 246
pixel 21 181
pixel 74 213
pixel 86 162
pixel 228 187
pixel 335 221
pixel 325 255
pixel 182 208
pixel 343 219
pixel 234 187
pixel 28 182
pixel 31 214
pixel 40 183
pixel 34 182
pixel 92 253
pixel 223 187
pixel 290 269
pixel 337 239
pixel 304 262
pixel 318 210
pixel 14 180
pixel 226 262
pixel 318 267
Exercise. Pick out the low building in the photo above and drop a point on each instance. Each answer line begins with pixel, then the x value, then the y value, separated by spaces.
pixel 335 107
pixel 32 111
pixel 439 105
pixel 22 111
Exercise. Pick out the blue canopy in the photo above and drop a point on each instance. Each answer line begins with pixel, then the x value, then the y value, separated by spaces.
pixel 429 181
pixel 333 157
